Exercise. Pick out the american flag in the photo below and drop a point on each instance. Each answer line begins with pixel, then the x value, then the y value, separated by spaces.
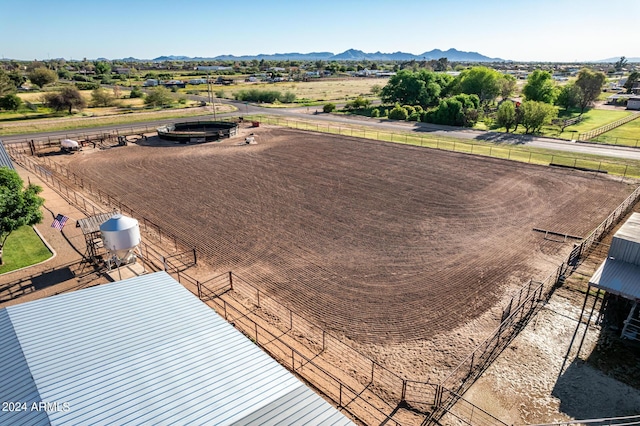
pixel 59 222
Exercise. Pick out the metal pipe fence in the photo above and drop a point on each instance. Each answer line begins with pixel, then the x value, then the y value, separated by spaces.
pixel 437 399
pixel 465 147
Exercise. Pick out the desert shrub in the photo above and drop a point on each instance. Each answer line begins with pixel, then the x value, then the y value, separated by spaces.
pixel 329 108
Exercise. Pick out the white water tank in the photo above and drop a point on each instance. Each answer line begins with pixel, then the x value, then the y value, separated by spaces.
pixel 120 234
pixel 69 144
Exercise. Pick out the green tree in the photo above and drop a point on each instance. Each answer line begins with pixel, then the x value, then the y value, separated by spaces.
pixel 67 98
pixel 621 63
pixel 569 96
pixel 17 78
pixel 459 110
pixel 18 206
pixel 102 68
pixel 590 83
pixel 100 97
pixel 136 92
pixel 64 73
pixel 540 87
pixel 422 88
pixel 633 78
pixel 10 102
pixel 158 97
pixel 508 85
pixel 42 76
pixel 480 81
pixel 7 86
pixel 536 114
pixel 506 115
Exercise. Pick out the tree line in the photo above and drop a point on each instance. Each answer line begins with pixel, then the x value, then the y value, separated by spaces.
pixel 435 97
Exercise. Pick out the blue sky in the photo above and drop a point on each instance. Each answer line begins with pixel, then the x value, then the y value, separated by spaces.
pixel 522 30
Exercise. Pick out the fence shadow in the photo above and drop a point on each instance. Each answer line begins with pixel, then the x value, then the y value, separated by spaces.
pixel 34 283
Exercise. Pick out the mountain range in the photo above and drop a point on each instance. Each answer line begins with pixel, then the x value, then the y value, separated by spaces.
pixel 348 55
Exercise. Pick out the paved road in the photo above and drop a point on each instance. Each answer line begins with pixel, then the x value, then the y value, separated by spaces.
pixel 309 113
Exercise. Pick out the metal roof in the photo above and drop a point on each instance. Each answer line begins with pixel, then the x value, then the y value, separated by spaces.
pixel 143 351
pixel 618 277
pixel 5 160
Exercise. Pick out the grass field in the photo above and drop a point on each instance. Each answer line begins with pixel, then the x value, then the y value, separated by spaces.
pixel 593 119
pixel 316 91
pixel 23 248
pixel 628 135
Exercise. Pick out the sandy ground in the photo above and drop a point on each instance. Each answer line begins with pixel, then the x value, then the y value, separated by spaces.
pixel 528 384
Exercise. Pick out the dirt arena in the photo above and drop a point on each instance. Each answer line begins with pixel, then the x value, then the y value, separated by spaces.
pixel 379 242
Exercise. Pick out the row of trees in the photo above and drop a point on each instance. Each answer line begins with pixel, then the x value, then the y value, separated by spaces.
pixel 462 100
pixel 580 94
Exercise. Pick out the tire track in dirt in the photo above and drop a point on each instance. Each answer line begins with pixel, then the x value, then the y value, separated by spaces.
pixel 372 240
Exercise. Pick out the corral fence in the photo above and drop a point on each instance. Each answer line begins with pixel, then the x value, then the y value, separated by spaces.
pixel 383 388
pixel 610 140
pixel 36 146
pixel 354 381
pixel 609 421
pixel 604 129
pixel 466 147
pixel 522 306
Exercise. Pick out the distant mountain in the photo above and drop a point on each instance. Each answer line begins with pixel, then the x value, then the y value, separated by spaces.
pixel 459 56
pixel 348 55
pixel 614 60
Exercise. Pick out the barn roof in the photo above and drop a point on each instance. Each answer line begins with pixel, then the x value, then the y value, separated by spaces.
pixel 5 160
pixel 142 351
pixel 620 272
pixel 618 277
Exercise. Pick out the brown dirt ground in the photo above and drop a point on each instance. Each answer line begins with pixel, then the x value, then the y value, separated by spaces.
pixel 325 223
pixel 379 242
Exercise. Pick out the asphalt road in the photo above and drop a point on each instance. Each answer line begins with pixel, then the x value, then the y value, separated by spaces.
pixel 309 113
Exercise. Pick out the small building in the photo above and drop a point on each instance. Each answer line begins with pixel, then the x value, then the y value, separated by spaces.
pixel 142 351
pixel 633 103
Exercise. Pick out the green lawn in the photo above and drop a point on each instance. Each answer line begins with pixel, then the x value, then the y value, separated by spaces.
pixel 23 248
pixel 628 134
pixel 593 119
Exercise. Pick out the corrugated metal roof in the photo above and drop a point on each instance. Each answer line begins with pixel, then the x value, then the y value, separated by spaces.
pixel 5 160
pixel 625 245
pixel 144 351
pixel 618 277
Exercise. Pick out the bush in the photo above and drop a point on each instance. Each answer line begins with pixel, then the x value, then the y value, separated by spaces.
pixel 329 108
pixel 80 77
pixel 136 92
pixel 409 108
pixel 288 97
pixel 375 113
pixel 414 116
pixel 261 96
pixel 87 86
pixel 398 113
pixel 10 102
